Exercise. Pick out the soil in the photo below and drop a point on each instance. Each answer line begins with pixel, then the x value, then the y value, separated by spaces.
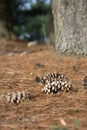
pixel 19 65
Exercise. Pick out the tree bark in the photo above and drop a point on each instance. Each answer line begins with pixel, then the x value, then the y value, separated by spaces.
pixel 5 19
pixel 3 30
pixel 70 26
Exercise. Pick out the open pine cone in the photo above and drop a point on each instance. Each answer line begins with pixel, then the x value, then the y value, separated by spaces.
pixel 54 83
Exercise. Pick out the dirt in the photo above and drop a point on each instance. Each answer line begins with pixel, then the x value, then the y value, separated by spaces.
pixel 19 65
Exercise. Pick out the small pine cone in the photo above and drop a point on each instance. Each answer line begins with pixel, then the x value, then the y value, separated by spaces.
pixel 16 97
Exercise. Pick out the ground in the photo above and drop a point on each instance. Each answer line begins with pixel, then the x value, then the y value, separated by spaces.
pixel 18 69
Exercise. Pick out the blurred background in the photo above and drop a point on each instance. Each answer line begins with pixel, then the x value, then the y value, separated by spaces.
pixel 26 20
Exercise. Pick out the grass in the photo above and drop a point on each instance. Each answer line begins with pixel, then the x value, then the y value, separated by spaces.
pixel 75 126
pixel 56 127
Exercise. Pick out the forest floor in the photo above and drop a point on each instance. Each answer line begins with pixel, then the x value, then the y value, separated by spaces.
pixel 18 69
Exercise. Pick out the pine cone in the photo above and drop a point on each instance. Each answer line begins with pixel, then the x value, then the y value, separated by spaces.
pixel 54 83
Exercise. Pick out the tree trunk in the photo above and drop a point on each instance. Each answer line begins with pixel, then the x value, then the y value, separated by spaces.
pixel 5 19
pixel 70 26
pixel 3 30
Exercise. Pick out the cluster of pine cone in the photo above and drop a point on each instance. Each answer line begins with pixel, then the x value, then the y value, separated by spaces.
pixel 54 83
pixel 16 97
